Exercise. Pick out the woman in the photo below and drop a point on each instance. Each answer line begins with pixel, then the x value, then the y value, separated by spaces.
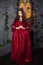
pixel 21 43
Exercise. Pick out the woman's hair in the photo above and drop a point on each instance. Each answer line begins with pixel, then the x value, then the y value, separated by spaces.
pixel 24 19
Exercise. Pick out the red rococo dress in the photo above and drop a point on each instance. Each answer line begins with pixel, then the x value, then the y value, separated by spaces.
pixel 21 44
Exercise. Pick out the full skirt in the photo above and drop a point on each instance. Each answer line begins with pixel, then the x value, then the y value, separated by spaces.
pixel 21 46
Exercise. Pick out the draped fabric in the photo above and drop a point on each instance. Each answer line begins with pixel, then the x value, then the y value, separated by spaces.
pixel 21 44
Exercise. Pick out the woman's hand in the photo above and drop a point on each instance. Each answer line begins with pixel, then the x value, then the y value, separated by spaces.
pixel 23 28
pixel 20 27
pixel 17 27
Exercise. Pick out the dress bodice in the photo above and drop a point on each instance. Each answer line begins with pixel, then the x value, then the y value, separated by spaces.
pixel 18 23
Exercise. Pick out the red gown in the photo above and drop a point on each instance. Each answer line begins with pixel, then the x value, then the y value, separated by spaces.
pixel 21 44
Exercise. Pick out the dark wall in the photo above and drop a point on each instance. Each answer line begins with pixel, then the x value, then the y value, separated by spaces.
pixel 12 8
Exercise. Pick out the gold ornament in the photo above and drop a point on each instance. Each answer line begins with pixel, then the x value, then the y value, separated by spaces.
pixel 26 6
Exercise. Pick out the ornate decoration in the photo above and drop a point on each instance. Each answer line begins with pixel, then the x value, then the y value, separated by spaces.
pixel 26 6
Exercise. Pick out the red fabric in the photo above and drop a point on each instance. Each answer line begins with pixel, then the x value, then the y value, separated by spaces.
pixel 21 44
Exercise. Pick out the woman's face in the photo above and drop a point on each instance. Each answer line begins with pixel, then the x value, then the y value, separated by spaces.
pixel 20 13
